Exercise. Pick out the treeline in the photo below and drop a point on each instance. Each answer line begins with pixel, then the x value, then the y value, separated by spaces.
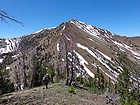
pixel 41 67
pixel 97 84
pixel 124 92
pixel 127 90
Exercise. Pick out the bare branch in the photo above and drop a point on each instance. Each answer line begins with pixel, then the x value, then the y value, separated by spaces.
pixel 4 16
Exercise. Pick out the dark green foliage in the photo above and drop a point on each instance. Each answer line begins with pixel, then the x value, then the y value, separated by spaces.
pixel 71 89
pixel 29 40
pixel 127 97
pixel 91 82
pixel 8 59
pixel 58 76
pixel 41 67
pixel 126 90
pixel 80 79
pixel 38 72
pixel 51 72
pixel 98 84
pixel 5 85
pixel 99 81
pixel 48 57
pixel 124 61
pixel 124 81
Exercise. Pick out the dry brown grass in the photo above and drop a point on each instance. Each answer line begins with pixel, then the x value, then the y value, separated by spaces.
pixel 57 94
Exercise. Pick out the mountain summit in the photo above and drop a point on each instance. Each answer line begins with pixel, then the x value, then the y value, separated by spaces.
pixel 73 49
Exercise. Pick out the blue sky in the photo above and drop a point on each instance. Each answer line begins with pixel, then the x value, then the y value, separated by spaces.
pixel 118 16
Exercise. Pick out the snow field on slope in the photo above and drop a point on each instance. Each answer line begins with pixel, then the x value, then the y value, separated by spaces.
pixel 100 59
pixel 58 47
pixel 11 44
pixel 44 29
pixel 135 53
pixel 86 28
pixel 112 78
pixel 1 60
pixel 107 57
pixel 83 62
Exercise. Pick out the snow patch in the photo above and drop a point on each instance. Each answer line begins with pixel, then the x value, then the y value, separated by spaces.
pixel 85 48
pixel 119 44
pixel 51 28
pixel 22 87
pixel 44 29
pixel 135 53
pixel 107 57
pixel 68 38
pixel 137 57
pixel 7 68
pixel 86 28
pixel 1 60
pixel 15 56
pixel 92 40
pixel 112 78
pixel 63 28
pixel 99 58
pixel 63 59
pixel 58 47
pixel 83 62
pixel 11 45
pixel 69 53
pixel 124 46
pixel 38 31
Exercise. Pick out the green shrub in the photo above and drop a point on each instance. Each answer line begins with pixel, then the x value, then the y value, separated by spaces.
pixel 57 76
pixel 136 103
pixel 80 79
pixel 6 85
pixel 71 89
pixel 51 72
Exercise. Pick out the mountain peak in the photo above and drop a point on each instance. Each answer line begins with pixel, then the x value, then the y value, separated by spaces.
pixel 76 21
pixel 87 46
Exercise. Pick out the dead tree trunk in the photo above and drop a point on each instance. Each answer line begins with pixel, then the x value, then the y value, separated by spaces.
pixel 4 16
pixel 66 58
pixel 24 69
pixel 72 69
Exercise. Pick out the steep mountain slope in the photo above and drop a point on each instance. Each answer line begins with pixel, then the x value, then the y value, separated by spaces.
pixel 8 45
pixel 72 45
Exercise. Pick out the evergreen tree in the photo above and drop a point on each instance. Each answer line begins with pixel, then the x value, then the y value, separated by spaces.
pixel 51 72
pixel 5 84
pixel 99 80
pixel 98 83
pixel 102 81
pixel 38 72
pixel 80 79
pixel 124 81
pixel 58 76
pixel 124 84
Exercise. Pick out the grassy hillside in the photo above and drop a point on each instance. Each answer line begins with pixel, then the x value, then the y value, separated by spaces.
pixel 56 94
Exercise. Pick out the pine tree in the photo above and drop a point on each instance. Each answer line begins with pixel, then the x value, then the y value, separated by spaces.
pixel 51 72
pixel 5 84
pixel 124 81
pixel 38 72
pixel 123 86
pixel 100 80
